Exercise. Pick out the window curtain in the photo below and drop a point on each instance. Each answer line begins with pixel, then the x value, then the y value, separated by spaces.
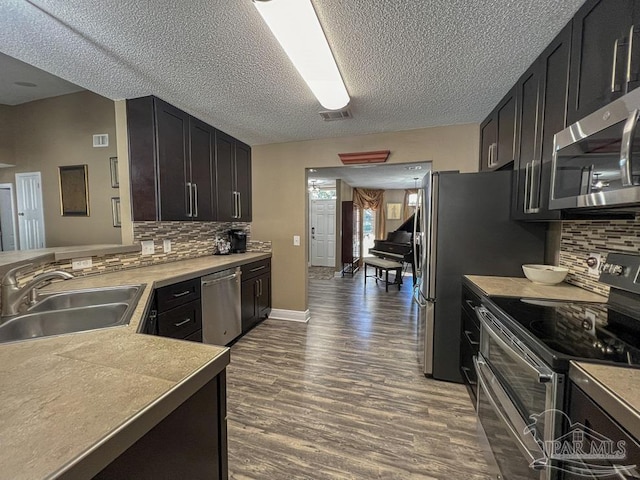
pixel 407 210
pixel 367 198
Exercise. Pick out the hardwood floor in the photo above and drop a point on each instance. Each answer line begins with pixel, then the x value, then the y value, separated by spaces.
pixel 343 397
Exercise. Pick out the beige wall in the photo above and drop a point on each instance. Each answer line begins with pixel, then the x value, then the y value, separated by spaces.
pixel 58 131
pixel 280 213
pixel 7 144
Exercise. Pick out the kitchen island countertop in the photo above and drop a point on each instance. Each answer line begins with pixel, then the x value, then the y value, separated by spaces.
pixel 72 403
pixel 522 287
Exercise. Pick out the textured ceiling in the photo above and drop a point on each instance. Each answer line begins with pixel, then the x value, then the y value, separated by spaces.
pixel 44 84
pixel 407 64
pixel 389 177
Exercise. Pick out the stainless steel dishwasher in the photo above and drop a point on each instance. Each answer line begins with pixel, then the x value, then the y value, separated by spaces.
pixel 221 322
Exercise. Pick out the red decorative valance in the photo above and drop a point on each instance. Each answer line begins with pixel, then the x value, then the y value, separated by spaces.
pixel 355 158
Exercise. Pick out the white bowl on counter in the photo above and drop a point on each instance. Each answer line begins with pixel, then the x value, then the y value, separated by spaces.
pixel 545 274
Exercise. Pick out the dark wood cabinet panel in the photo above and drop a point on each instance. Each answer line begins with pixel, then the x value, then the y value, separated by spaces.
pixel 201 143
pixel 542 98
pixel 184 169
pixel 172 136
pixel 469 340
pixel 497 135
pixel 243 180
pixel 583 410
pixel 255 293
pixel 182 321
pixel 488 143
pixel 191 442
pixel 177 294
pixel 142 158
pixel 233 168
pixel 599 56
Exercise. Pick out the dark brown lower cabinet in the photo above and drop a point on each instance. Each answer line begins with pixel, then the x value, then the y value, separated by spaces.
pixel 469 340
pixel 594 423
pixel 255 293
pixel 191 442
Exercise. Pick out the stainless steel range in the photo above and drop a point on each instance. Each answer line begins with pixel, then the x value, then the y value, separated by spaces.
pixel 525 349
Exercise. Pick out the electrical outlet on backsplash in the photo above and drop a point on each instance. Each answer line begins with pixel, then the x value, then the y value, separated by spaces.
pixel 579 239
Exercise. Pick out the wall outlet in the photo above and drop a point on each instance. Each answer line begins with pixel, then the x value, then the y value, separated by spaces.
pixel 296 240
pixel 81 263
pixel 593 262
pixel 166 246
pixel 148 247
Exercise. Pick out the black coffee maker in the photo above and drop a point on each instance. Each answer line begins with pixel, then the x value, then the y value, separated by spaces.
pixel 238 240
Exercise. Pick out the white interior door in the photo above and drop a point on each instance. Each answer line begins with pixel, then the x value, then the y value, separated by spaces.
pixel 323 233
pixel 7 217
pixel 30 210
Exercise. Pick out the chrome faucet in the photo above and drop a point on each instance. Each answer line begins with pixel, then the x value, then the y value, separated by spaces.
pixel 13 296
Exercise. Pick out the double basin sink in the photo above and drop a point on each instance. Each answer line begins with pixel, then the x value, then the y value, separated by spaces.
pixel 73 311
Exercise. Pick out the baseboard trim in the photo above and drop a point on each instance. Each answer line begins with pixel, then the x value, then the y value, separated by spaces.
pixel 290 315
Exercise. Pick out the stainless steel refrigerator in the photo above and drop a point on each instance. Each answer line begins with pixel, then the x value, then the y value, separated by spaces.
pixel 464 229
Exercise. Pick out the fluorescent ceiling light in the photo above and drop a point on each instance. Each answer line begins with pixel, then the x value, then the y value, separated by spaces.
pixel 295 25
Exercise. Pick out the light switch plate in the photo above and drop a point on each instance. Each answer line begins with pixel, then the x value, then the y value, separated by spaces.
pixel 147 247
pixel 296 240
pixel 166 246
pixel 81 263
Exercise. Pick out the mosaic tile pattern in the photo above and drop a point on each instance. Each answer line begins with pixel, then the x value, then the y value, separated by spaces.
pixel 188 240
pixel 580 238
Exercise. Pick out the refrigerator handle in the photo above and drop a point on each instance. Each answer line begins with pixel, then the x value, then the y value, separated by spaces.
pixel 416 216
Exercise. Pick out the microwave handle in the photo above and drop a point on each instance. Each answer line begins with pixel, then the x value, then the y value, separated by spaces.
pixel 625 153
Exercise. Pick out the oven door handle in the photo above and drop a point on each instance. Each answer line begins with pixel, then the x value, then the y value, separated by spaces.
pixel 545 375
pixel 514 423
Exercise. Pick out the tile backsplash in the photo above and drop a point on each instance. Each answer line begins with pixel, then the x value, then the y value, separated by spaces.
pixel 580 238
pixel 188 240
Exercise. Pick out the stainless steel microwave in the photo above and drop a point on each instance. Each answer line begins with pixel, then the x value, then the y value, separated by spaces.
pixel 596 161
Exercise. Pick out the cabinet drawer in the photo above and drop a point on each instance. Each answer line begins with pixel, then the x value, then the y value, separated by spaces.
pixel 195 337
pixel 254 269
pixel 471 331
pixel 182 321
pixel 470 301
pixel 177 294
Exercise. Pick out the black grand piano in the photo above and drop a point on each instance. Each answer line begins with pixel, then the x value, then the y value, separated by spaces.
pixel 398 246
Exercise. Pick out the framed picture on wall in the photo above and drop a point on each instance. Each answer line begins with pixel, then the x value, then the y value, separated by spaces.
pixel 74 190
pixel 113 163
pixel 394 211
pixel 115 211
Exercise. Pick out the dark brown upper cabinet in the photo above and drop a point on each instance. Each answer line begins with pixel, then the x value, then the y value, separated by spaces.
pixel 173 166
pixel 542 99
pixel 497 135
pixel 605 55
pixel 233 167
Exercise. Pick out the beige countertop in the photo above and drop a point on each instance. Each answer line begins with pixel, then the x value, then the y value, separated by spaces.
pixel 615 389
pixel 522 287
pixel 74 402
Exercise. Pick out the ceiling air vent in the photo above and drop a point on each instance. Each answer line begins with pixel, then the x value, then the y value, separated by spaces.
pixel 333 115
pixel 101 140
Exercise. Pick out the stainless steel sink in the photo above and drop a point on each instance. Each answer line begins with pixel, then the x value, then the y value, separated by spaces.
pixel 42 324
pixel 86 298
pixel 73 311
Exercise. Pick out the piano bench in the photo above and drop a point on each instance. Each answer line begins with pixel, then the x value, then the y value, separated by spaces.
pixel 383 266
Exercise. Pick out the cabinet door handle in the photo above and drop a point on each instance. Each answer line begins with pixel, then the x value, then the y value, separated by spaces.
pixel 184 322
pixel 526 187
pixel 238 206
pixel 190 200
pixel 181 294
pixel 467 334
pixel 470 304
pixel 235 204
pixel 258 268
pixel 614 87
pixel 629 55
pixel 195 198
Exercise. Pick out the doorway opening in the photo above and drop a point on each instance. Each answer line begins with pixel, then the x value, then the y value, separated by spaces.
pixel 368 231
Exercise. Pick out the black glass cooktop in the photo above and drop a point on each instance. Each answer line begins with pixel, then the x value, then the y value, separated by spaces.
pixel 573 330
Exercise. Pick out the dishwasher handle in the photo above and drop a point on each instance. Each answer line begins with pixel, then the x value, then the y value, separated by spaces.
pixel 206 283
